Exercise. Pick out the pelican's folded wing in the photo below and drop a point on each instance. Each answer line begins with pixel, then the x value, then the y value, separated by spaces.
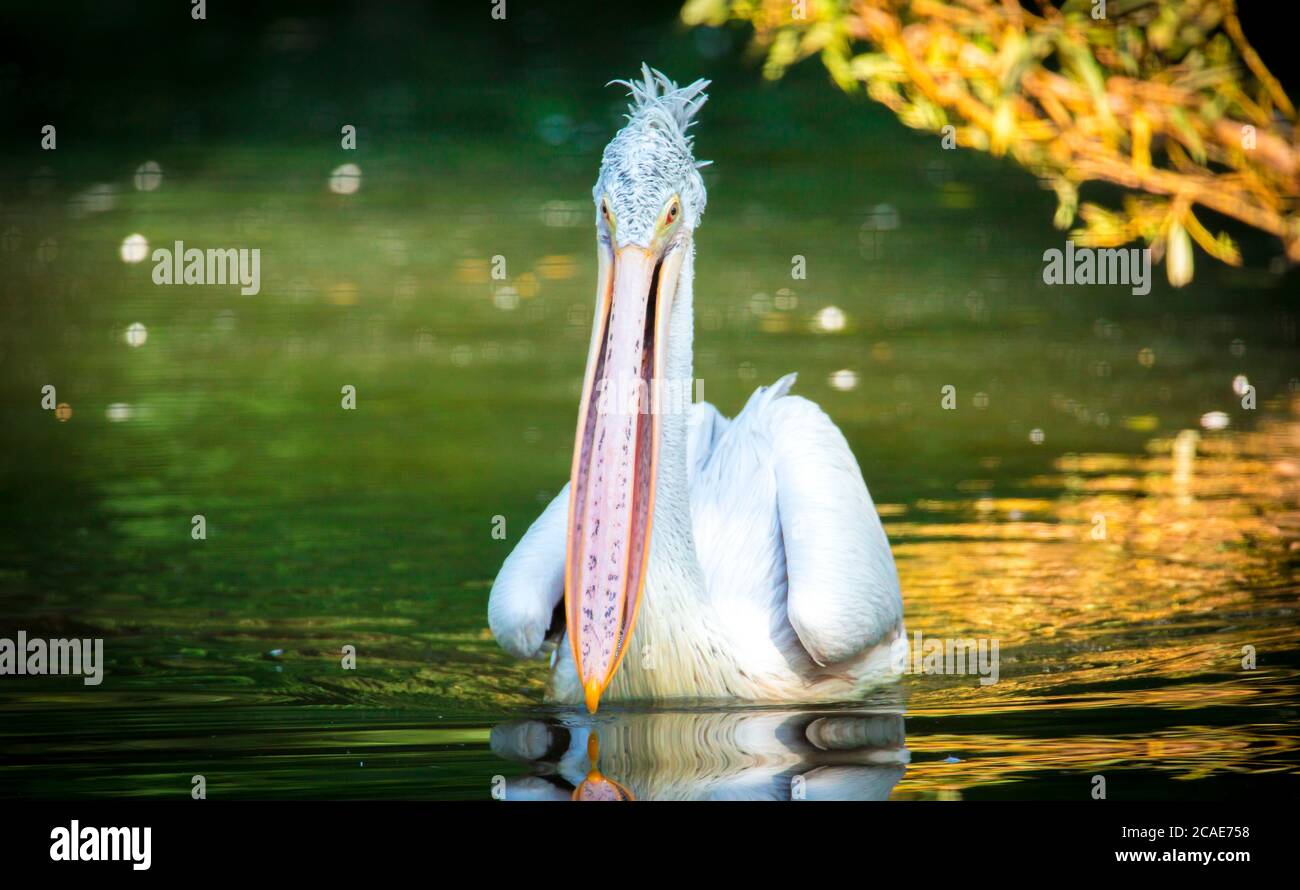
pixel 843 587
pixel 531 582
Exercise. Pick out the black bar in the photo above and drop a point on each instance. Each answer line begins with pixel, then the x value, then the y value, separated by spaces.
pixel 437 841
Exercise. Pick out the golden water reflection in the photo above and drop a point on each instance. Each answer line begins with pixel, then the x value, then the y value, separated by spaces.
pixel 1146 582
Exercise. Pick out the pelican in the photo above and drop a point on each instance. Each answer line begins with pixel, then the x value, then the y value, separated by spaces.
pixel 698 557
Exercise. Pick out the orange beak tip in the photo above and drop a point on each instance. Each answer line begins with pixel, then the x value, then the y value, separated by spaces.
pixel 593 695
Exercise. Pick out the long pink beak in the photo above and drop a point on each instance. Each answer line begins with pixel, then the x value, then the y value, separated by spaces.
pixel 611 507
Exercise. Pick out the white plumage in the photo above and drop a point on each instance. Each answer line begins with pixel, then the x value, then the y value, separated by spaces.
pixel 769 577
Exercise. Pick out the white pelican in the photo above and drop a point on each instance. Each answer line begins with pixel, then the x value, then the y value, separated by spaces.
pixel 709 558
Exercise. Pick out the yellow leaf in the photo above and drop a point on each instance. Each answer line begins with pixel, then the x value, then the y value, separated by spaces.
pixel 1141 138
pixel 1178 263
pixel 1004 128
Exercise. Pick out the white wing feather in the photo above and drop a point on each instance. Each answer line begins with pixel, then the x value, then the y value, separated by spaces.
pixel 843 587
pixel 531 582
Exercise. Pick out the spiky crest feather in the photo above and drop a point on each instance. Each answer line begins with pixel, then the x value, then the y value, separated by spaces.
pixel 652 157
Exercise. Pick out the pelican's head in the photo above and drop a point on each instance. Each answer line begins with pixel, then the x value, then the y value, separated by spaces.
pixel 649 198
pixel 649 164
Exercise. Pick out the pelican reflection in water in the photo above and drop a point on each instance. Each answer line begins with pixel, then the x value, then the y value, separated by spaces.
pixel 706 755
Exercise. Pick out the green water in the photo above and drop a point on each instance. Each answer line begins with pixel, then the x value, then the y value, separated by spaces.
pixel 372 527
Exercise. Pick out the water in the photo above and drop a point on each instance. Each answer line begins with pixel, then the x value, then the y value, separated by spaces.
pixel 1122 563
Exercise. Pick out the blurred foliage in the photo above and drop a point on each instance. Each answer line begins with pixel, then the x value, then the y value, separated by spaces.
pixel 1164 98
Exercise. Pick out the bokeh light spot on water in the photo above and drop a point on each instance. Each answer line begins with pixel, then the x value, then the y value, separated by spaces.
pixel 343 293
pixel 118 412
pixel 345 179
pixel 844 379
pixel 134 248
pixel 148 176
pixel 505 298
pixel 98 198
pixel 136 335
pixel 957 196
pixel 1142 423
pixel 473 270
pixel 566 214
pixel 1215 420
pixel 829 320
pixel 527 286
pixel 554 129
pixel 882 218
pixel 556 267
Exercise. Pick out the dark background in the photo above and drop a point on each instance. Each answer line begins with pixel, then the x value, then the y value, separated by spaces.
pixel 124 71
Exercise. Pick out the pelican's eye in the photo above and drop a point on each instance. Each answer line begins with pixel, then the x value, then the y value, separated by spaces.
pixel 670 215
